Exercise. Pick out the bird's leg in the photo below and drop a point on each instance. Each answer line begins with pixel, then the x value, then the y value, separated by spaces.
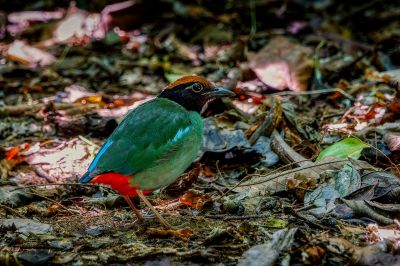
pixel 146 201
pixel 137 213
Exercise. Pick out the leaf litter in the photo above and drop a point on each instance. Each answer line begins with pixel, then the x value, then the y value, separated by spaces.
pixel 301 167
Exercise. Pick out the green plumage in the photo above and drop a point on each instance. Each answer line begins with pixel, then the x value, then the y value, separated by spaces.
pixel 155 143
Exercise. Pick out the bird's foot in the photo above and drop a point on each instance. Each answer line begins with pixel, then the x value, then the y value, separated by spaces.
pixel 133 208
pixel 158 215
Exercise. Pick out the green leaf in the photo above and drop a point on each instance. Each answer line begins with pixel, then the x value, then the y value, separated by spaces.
pixel 112 38
pixel 276 223
pixel 348 147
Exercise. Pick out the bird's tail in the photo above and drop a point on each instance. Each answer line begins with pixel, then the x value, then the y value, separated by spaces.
pixel 85 178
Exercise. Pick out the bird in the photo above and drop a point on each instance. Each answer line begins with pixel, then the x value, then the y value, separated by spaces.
pixel 155 142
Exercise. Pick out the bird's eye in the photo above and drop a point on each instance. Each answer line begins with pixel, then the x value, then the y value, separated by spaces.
pixel 197 87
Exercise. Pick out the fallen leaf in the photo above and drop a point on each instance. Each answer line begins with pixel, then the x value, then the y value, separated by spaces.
pixel 24 17
pixel 23 53
pixel 348 147
pixel 25 20
pixel 283 64
pixel 393 141
pixel 347 180
pixel 276 223
pixel 387 186
pixel 376 234
pixel 377 254
pixel 268 254
pixel 70 27
pixel 11 153
pixel 322 199
pixel 313 254
pixel 300 184
pixel 14 152
pixel 218 139
pixel 365 208
pixel 194 199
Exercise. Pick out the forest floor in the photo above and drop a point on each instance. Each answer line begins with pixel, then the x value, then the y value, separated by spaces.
pixel 302 166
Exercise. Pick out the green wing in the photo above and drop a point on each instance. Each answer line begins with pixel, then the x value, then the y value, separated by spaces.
pixel 145 136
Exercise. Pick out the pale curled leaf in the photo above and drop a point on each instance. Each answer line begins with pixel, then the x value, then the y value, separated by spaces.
pixel 23 53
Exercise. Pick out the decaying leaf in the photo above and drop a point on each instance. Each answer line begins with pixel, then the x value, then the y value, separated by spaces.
pixel 314 254
pixel 183 234
pixel 393 141
pixel 267 254
pixel 377 254
pixel 363 208
pixel 194 199
pixel 283 64
pixel 387 186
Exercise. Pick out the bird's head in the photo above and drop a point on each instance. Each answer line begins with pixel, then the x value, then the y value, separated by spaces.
pixel 194 92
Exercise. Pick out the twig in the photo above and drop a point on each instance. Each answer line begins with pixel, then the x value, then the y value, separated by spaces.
pixel 270 121
pixel 294 171
pixel 244 178
pixel 379 151
pixel 54 201
pixel 301 93
pixel 11 210
pixel 286 153
pixel 244 217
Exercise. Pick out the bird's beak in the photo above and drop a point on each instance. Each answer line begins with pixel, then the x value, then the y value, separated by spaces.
pixel 219 92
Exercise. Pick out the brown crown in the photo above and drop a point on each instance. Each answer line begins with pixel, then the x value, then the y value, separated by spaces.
pixel 188 80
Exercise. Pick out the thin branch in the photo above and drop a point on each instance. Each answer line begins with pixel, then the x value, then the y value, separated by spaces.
pixel 294 171
pixel 301 93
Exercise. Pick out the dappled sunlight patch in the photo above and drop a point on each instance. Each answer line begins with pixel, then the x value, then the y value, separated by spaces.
pixel 66 161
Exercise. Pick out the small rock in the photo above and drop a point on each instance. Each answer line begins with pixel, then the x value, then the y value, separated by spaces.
pixel 14 198
pixel 36 256
pixel 64 244
pixel 95 230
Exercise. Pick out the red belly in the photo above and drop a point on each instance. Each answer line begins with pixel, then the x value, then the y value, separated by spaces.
pixel 119 183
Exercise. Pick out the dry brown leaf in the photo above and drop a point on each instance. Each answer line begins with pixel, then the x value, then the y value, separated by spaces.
pixel 194 199
pixel 183 234
pixel 283 64
pixel 315 254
